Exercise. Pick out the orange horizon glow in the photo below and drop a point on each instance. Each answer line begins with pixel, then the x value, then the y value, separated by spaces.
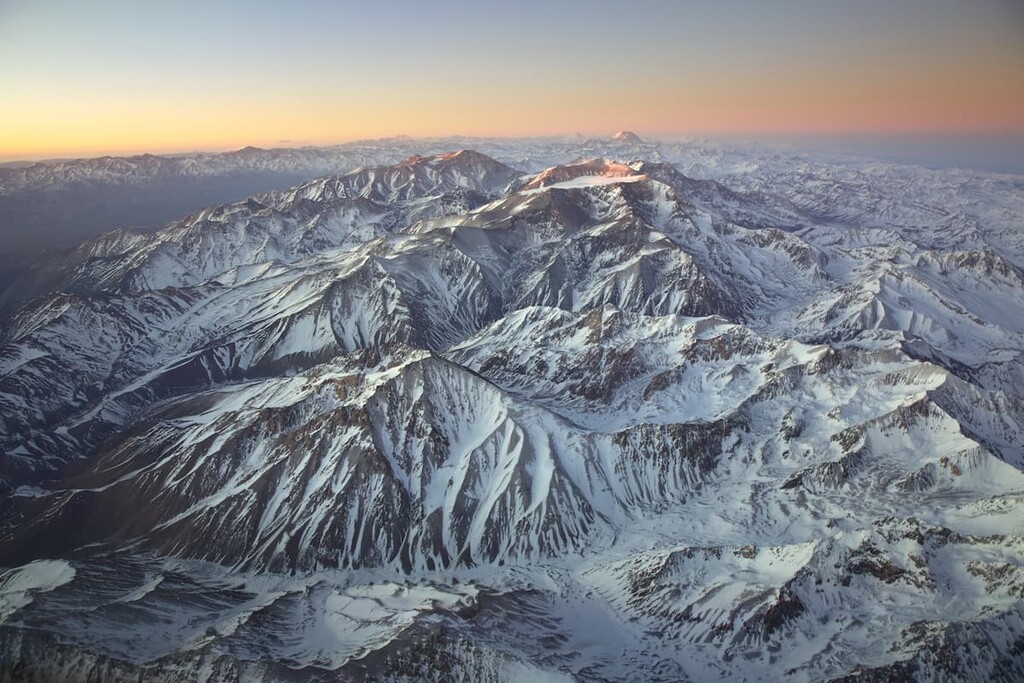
pixel 105 84
pixel 220 130
pixel 120 126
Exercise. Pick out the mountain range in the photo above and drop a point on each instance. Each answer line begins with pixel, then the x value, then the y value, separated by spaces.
pixel 583 410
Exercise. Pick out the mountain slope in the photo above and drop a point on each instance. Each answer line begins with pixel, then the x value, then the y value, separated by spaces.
pixel 444 418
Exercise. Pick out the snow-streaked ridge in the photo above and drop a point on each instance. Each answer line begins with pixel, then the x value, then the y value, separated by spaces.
pixel 445 417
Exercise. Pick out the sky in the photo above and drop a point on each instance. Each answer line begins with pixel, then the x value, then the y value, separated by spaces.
pixel 91 77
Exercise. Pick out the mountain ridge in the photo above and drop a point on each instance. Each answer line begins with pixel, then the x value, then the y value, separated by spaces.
pixel 448 411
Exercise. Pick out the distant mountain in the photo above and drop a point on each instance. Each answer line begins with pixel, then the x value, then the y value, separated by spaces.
pixel 58 204
pixel 627 136
pixel 601 420
pixel 61 204
pixel 326 213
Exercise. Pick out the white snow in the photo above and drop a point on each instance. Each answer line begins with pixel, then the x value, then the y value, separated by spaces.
pixel 17 586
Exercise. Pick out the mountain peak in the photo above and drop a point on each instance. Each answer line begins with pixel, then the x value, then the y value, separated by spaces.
pixel 598 168
pixel 463 156
pixel 462 153
pixel 627 136
pixel 416 176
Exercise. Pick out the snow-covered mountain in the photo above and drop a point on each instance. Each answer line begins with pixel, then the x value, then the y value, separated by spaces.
pixel 62 203
pixel 605 420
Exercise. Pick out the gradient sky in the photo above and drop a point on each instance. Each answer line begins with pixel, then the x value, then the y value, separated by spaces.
pixel 87 77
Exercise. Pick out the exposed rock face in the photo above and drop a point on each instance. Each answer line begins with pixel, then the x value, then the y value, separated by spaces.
pixel 444 417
